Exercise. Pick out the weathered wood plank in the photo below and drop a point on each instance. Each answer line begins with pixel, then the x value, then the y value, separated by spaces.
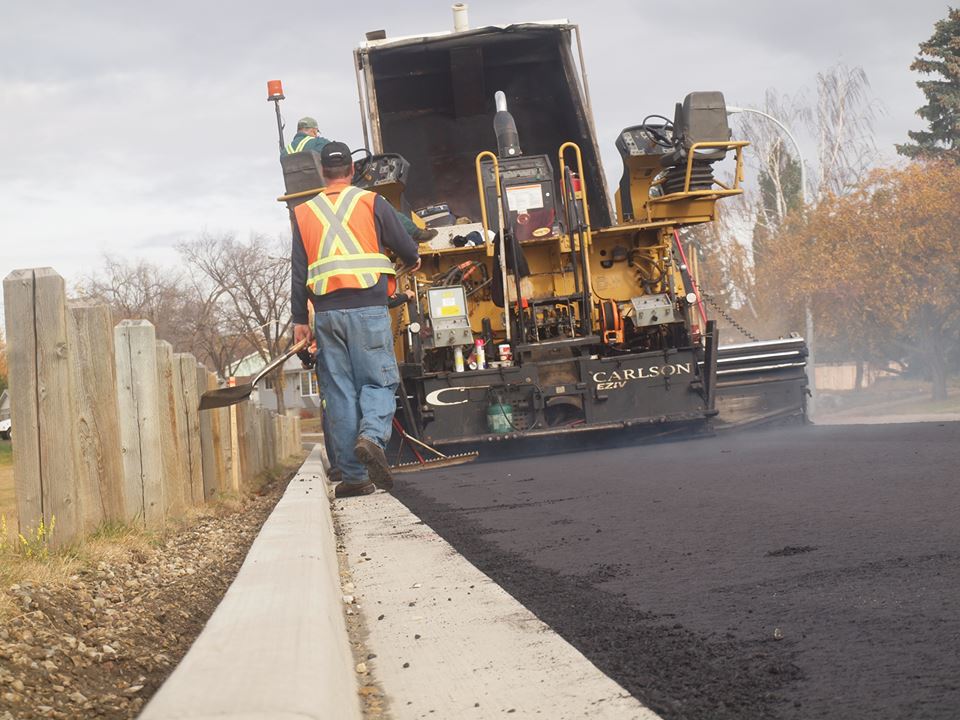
pixel 59 458
pixel 140 423
pixel 246 443
pixel 174 475
pixel 208 420
pixel 225 450
pixel 188 404
pixel 18 293
pixel 100 474
pixel 234 448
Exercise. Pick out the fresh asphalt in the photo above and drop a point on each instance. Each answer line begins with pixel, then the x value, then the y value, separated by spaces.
pixel 807 572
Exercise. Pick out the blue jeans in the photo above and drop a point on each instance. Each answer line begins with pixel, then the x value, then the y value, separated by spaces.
pixel 358 378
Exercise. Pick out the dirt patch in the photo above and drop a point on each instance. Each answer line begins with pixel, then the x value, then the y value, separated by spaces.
pixel 99 642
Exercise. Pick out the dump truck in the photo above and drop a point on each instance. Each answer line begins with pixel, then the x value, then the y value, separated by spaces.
pixel 541 308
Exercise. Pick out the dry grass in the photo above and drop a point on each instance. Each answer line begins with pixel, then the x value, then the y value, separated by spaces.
pixel 8 499
pixel 311 425
pixel 114 543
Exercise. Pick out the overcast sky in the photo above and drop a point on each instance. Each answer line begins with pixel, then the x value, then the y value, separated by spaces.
pixel 128 126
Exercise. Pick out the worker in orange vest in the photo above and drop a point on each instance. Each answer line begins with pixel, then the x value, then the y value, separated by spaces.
pixel 339 265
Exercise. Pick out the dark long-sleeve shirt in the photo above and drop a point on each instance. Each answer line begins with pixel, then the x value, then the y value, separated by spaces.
pixel 390 234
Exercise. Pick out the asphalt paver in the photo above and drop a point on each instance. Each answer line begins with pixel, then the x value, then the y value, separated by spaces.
pixel 805 572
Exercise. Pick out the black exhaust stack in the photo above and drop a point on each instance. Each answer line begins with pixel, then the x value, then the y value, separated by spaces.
pixel 508 141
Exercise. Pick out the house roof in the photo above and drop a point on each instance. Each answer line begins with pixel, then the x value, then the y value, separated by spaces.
pixel 253 363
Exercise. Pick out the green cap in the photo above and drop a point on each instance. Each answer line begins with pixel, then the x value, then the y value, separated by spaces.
pixel 306 123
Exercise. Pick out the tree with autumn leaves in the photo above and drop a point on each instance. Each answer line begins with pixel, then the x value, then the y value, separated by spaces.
pixel 880 268
pixel 877 260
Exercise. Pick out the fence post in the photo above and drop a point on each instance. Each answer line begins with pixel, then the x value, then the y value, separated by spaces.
pixel 271 435
pixel 208 457
pixel 188 410
pixel 258 430
pixel 100 474
pixel 139 405
pixel 221 441
pixel 234 443
pixel 174 476
pixel 41 402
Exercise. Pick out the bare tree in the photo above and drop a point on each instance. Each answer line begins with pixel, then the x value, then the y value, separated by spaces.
pixel 249 283
pixel 844 126
pixel 186 314
pixel 771 160
pixel 140 290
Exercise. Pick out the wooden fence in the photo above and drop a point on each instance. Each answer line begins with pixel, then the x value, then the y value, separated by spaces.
pixel 106 422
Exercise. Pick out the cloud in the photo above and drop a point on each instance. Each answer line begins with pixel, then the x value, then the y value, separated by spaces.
pixel 131 124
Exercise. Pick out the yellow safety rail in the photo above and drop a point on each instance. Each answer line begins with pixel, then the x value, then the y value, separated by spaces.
pixel 483 199
pixel 736 145
pixel 583 185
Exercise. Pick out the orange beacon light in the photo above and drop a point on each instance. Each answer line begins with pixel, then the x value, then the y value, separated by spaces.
pixel 274 90
pixel 275 95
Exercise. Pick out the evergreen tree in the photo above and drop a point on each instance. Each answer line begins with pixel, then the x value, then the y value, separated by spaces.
pixel 940 58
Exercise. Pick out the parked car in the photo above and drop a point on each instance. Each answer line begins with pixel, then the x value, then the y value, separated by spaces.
pixel 5 429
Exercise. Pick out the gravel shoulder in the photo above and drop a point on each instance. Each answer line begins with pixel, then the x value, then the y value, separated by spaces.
pixel 93 634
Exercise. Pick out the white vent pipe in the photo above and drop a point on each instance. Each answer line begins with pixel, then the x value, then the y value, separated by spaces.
pixel 460 22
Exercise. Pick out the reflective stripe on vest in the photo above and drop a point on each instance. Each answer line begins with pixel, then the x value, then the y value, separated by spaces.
pixel 300 145
pixel 340 253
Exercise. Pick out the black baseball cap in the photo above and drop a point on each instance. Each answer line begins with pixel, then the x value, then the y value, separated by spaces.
pixel 335 154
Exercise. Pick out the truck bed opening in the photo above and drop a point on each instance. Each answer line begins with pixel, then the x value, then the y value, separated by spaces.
pixel 434 100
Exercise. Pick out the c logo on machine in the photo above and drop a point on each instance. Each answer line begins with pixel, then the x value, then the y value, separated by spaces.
pixel 434 397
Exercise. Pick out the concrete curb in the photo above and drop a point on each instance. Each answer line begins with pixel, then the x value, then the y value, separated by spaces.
pixel 276 647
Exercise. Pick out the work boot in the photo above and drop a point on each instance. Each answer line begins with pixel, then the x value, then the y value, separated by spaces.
pixel 423 235
pixel 371 455
pixel 344 489
pixel 335 475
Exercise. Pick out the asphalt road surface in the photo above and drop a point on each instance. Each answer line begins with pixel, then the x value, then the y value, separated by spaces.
pixel 809 572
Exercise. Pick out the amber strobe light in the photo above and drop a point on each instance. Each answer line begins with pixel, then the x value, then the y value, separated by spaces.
pixel 275 95
pixel 274 90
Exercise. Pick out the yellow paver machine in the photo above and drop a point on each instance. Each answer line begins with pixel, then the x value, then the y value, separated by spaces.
pixel 541 308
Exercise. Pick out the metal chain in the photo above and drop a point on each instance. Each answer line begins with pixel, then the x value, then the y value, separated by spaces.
pixel 743 331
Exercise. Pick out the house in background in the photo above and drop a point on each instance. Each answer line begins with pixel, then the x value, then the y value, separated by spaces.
pixel 301 394
pixel 4 415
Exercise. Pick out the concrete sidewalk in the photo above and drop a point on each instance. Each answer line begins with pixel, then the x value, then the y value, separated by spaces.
pixel 449 642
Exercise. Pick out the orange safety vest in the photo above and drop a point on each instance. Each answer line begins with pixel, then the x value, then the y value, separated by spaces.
pixel 340 237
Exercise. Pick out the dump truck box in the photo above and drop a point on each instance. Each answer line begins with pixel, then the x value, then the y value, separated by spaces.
pixel 602 323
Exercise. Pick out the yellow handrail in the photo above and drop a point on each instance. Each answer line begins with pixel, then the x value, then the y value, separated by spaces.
pixel 583 185
pixel 483 199
pixel 737 145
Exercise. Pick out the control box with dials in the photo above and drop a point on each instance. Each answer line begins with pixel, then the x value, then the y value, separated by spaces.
pixel 379 170
pixel 529 195
pixel 653 310
pixel 448 317
pixel 639 140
